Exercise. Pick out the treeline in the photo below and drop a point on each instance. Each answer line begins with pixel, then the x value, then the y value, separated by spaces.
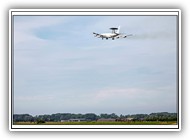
pixel 162 116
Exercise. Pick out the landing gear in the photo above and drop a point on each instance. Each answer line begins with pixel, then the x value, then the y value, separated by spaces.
pixel 112 38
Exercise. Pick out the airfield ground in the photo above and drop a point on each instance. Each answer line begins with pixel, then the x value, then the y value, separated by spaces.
pixel 101 123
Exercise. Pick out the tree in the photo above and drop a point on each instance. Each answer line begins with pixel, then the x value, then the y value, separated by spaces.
pixel 90 116
pixel 40 121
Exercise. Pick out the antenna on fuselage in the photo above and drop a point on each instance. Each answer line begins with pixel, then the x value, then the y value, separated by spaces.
pixel 113 29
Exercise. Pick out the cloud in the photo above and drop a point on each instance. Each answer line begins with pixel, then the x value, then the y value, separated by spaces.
pixel 26 27
pixel 34 98
pixel 133 100
pixel 128 93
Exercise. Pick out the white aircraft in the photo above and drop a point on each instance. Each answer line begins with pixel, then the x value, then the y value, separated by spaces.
pixel 114 34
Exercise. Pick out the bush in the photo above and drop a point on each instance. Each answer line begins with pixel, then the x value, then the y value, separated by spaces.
pixel 40 121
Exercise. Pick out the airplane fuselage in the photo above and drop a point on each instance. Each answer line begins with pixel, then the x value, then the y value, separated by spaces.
pixel 108 35
pixel 114 34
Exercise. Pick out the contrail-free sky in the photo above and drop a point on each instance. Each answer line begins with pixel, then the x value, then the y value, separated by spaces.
pixel 59 66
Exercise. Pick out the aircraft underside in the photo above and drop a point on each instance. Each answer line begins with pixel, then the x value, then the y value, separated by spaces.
pixel 108 37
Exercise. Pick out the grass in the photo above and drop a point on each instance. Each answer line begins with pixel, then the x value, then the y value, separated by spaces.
pixel 100 123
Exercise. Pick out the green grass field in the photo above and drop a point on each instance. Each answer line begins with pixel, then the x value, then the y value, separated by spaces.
pixel 100 123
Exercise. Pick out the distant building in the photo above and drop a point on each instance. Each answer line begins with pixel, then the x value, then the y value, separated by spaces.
pixel 124 119
pixel 64 120
pixel 74 120
pixel 141 119
pixel 106 120
pixel 129 119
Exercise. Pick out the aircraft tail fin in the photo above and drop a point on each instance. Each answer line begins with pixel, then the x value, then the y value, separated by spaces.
pixel 118 30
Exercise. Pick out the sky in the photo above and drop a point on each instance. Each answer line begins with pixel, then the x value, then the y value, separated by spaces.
pixel 60 67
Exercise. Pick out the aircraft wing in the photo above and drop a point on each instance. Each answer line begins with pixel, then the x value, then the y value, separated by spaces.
pixel 97 35
pixel 123 36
